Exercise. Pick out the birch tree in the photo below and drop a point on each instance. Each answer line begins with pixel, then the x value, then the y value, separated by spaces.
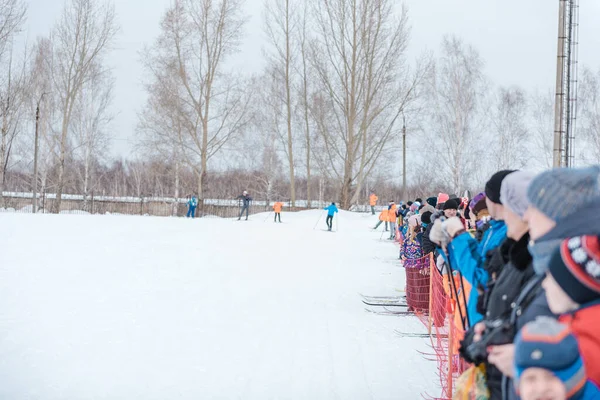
pixel 91 124
pixel 12 17
pixel 509 122
pixel 542 128
pixel 456 92
pixel 589 115
pixel 81 40
pixel 359 58
pixel 281 25
pixel 197 36
pixel 304 89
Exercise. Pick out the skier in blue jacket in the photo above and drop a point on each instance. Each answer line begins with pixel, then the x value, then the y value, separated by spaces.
pixel 467 256
pixel 192 204
pixel 331 210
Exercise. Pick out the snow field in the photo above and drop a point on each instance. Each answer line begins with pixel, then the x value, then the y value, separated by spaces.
pixel 123 307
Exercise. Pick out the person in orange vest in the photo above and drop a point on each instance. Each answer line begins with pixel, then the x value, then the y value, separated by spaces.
pixel 277 209
pixel 383 217
pixel 392 219
pixel 373 202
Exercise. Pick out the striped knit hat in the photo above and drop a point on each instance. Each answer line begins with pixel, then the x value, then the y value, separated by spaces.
pixel 548 344
pixel 575 266
pixel 560 192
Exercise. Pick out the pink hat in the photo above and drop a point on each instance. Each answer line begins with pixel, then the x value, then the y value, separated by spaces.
pixel 442 198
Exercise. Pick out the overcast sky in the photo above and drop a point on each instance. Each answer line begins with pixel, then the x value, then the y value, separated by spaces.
pixel 517 39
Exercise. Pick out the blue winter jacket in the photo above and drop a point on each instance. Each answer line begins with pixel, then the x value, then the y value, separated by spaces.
pixel 193 202
pixel 591 391
pixel 467 256
pixel 331 210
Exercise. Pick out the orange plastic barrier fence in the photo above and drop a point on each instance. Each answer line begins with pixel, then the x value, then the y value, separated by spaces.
pixel 440 317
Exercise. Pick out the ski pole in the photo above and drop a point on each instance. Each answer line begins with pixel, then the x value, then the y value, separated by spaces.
pixel 453 286
pixel 267 217
pixel 382 232
pixel 319 220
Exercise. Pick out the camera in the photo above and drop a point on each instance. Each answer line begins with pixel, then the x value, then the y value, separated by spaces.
pixel 496 332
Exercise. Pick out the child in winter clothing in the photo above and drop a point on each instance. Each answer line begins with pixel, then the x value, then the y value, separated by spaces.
pixel 331 210
pixel 572 287
pixel 277 209
pixel 549 365
pixel 411 246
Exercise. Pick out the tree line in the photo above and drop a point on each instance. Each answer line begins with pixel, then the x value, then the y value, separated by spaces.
pixel 323 120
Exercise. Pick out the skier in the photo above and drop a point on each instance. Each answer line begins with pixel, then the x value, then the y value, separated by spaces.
pixel 246 199
pixel 373 202
pixel 331 210
pixel 277 209
pixel 192 204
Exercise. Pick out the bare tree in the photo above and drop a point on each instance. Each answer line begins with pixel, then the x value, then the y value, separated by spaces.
pixel 281 21
pixel 359 58
pixel 210 104
pixel 509 120
pixel 589 115
pixel 304 96
pixel 13 101
pixel 12 17
pixel 91 124
pixel 542 128
pixel 81 39
pixel 456 92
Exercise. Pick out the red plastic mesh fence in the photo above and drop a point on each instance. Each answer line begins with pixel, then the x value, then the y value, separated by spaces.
pixel 445 328
pixel 417 284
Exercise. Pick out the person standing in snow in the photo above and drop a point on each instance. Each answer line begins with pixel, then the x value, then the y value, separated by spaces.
pixel 277 209
pixel 373 202
pixel 246 199
pixel 331 210
pixel 192 204
pixel 383 217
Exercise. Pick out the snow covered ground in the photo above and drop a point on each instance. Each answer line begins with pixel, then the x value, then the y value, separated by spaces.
pixel 125 307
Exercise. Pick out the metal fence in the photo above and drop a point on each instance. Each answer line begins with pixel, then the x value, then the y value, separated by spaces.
pixel 153 206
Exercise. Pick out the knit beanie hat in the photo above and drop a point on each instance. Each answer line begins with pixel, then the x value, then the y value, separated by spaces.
pixel 426 217
pixel 560 192
pixel 575 266
pixel 513 191
pixel 426 208
pixel 492 187
pixel 548 344
pixel 478 203
pixel 451 205
pixel 432 201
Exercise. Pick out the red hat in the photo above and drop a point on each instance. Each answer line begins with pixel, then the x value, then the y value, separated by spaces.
pixel 575 266
pixel 442 198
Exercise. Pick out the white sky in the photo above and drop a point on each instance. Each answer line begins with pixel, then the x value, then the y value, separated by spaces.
pixel 518 40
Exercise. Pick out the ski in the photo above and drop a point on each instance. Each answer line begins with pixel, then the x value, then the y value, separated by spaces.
pixel 388 312
pixel 386 304
pixel 412 334
pixel 383 297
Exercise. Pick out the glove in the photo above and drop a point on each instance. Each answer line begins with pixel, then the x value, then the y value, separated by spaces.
pixel 437 234
pixel 453 226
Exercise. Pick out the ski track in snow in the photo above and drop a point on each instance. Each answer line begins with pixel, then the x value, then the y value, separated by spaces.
pixel 124 307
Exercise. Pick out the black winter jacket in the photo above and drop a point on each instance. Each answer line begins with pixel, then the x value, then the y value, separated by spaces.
pixel 428 245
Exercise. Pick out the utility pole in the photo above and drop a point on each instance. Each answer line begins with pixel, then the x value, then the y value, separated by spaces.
pixel 35 153
pixel 403 157
pixel 559 100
